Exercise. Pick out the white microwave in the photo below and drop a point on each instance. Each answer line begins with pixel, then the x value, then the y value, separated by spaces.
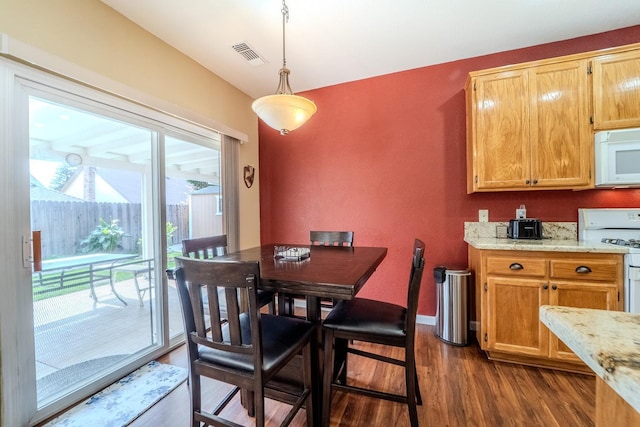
pixel 617 154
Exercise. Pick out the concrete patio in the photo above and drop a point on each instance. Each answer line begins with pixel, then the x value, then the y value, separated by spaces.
pixel 77 337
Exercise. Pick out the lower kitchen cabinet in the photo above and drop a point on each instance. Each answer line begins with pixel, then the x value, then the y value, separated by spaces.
pixel 602 296
pixel 512 316
pixel 510 287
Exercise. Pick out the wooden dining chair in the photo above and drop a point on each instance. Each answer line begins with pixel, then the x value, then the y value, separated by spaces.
pixel 212 246
pixel 247 349
pixel 331 238
pixel 377 322
pixel 205 247
pixel 286 302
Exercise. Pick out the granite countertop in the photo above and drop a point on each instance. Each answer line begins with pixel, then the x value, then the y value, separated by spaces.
pixel 607 341
pixel 551 245
pixel 558 237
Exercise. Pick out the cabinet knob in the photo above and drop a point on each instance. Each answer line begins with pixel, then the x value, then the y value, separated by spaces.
pixel 535 181
pixel 516 266
pixel 527 182
pixel 554 287
pixel 545 286
pixel 583 269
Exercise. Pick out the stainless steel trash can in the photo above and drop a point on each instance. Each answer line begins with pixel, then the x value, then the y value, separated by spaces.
pixel 452 318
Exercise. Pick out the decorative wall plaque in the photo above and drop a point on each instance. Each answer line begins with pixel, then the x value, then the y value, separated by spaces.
pixel 249 175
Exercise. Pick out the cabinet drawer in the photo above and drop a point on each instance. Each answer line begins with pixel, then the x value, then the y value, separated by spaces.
pixel 517 266
pixel 586 269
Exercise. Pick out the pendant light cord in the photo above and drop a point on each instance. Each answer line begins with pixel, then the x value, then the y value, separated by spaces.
pixel 285 19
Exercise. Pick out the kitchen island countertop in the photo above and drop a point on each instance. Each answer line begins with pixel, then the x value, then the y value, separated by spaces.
pixel 607 341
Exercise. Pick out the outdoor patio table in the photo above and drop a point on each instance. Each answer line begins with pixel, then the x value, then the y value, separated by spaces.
pixel 95 263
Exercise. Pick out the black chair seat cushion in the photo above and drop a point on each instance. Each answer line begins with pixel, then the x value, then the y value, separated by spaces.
pixel 365 316
pixel 281 336
pixel 265 297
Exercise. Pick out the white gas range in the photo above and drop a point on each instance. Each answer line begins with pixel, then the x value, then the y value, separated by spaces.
pixel 620 227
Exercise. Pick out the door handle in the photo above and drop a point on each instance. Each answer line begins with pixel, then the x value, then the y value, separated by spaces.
pixel 32 251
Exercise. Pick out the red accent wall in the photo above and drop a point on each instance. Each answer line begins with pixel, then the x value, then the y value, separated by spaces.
pixel 385 157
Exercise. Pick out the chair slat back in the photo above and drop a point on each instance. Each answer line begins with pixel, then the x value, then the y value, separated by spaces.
pixel 331 238
pixel 238 280
pixel 415 280
pixel 205 247
pixel 215 310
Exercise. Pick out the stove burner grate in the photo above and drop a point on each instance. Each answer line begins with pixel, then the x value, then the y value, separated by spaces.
pixel 631 243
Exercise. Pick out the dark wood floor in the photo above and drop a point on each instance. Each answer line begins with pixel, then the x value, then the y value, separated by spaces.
pixel 460 387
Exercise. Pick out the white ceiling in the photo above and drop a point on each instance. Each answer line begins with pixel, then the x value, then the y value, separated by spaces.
pixel 336 41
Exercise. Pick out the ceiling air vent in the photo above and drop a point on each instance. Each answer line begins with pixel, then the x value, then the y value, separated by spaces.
pixel 253 58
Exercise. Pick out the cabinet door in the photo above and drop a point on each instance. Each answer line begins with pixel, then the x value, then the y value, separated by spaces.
pixel 602 296
pixel 560 129
pixel 616 90
pixel 500 131
pixel 512 315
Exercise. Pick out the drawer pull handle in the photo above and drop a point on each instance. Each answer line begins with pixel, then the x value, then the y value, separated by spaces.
pixel 583 269
pixel 516 266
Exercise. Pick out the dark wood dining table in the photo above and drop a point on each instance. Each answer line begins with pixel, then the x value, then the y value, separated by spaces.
pixel 335 272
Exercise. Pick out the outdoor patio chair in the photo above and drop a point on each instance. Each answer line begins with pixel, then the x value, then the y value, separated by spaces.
pixel 142 272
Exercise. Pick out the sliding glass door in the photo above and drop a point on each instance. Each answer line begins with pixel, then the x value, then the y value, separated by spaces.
pixel 94 294
pixel 105 191
pixel 191 163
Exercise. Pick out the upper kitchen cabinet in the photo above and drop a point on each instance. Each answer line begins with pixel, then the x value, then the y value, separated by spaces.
pixel 528 127
pixel 561 141
pixel 616 90
pixel 498 129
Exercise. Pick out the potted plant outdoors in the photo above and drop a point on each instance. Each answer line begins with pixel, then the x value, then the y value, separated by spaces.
pixel 106 237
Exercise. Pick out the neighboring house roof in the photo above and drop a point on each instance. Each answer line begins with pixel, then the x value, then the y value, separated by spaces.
pixel 212 189
pixel 120 186
pixel 40 193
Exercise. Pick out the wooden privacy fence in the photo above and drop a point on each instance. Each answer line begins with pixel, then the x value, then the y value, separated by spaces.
pixel 65 224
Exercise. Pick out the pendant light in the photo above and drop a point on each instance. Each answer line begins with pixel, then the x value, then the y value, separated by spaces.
pixel 284 111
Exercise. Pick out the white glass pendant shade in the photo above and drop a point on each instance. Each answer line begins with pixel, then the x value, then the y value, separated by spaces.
pixel 284 112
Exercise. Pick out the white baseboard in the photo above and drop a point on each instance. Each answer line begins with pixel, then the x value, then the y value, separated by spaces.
pixel 431 320
pixel 425 320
